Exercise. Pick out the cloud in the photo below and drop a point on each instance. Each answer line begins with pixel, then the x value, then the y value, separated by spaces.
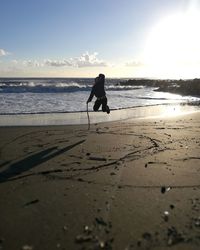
pixel 85 60
pixel 134 63
pixel 57 63
pixel 32 63
pixel 4 52
pixel 89 60
pixel 14 61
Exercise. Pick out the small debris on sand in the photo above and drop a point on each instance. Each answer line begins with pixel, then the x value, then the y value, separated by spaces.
pixel 173 236
pixel 166 216
pixel 92 236
pixel 31 202
pixel 100 221
pixel 58 245
pixel 146 236
pixel 27 247
pixel 164 189
pixel 80 179
pixel 197 222
pixel 83 238
pixel 65 228
pixel 97 159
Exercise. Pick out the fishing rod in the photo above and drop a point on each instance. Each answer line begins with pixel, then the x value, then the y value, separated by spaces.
pixel 88 118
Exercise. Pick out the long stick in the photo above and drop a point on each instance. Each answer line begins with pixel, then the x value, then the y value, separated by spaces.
pixel 88 118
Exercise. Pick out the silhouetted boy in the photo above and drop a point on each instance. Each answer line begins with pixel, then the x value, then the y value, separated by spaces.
pixel 99 91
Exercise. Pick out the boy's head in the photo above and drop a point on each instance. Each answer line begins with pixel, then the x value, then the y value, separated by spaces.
pixel 101 76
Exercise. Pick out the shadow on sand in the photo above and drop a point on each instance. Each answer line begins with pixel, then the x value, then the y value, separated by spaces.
pixel 33 161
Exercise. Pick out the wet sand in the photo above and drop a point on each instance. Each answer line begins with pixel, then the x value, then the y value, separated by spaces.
pixel 131 184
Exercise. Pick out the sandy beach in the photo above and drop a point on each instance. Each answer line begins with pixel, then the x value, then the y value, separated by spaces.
pixel 123 185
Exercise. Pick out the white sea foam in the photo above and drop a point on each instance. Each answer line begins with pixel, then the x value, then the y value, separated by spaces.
pixel 19 96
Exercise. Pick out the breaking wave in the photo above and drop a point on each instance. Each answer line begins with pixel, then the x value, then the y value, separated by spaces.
pixel 58 95
pixel 33 87
pixel 54 87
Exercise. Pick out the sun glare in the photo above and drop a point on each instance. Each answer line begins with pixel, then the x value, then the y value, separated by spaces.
pixel 173 45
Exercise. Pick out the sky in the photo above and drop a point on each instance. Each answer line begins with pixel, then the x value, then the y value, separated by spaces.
pixel 82 38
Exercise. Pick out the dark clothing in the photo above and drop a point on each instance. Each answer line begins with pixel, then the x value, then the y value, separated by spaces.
pixel 99 92
pixel 100 102
pixel 98 89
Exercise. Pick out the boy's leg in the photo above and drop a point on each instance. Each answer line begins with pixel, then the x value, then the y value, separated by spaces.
pixel 105 107
pixel 97 104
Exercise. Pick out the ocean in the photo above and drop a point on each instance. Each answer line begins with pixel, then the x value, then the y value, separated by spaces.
pixel 64 95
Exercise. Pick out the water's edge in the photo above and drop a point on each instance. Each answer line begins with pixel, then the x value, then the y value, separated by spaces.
pixel 75 118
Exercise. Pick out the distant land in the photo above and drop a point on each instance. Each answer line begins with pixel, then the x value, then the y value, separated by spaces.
pixel 182 87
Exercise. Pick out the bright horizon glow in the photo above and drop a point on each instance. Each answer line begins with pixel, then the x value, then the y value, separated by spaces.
pixel 173 46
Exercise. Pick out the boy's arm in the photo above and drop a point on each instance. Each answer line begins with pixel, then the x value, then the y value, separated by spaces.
pixel 91 95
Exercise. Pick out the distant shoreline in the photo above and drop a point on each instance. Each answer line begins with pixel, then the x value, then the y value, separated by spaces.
pixel 182 87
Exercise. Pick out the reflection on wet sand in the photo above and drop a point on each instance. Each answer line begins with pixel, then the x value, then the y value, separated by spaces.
pixel 165 110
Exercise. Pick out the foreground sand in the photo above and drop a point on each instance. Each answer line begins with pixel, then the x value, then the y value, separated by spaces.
pixel 122 185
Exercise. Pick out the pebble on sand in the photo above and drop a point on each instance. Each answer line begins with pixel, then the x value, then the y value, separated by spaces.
pixel 27 247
